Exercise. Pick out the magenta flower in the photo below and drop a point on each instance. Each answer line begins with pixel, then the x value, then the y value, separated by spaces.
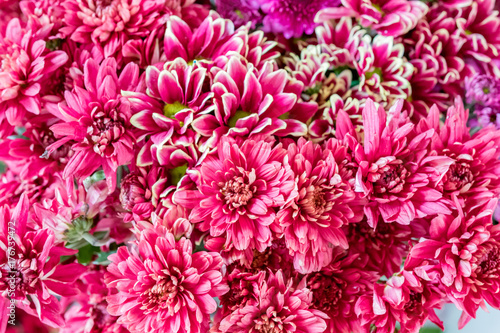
pixel 98 121
pixel 381 249
pixel 109 24
pixel 336 288
pixel 477 22
pixel 312 222
pixel 388 17
pixel 34 266
pixel 383 70
pixel 396 171
pixel 406 298
pixel 292 18
pixel 26 66
pixel 248 101
pixel 162 286
pixel 29 150
pixel 239 188
pixel 437 42
pixel 276 305
pixel 240 11
pixel 175 97
pixel 214 41
pixel 483 89
pixel 87 312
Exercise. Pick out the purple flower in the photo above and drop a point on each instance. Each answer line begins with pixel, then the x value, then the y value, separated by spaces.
pixel 293 18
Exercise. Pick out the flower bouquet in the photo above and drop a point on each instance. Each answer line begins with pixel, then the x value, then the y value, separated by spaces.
pixel 247 165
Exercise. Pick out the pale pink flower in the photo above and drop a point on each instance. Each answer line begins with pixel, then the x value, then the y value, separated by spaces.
pixel 162 286
pixel 312 222
pixel 97 119
pixel 276 305
pixel 34 267
pixel 240 186
pixel 387 17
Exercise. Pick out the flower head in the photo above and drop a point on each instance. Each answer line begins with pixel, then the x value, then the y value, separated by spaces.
pixel 293 18
pixel 97 119
pixel 162 286
pixel 239 188
pixel 312 221
pixel 276 306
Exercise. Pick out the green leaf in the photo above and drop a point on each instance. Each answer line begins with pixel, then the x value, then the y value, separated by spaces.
pixel 430 330
pixel 86 253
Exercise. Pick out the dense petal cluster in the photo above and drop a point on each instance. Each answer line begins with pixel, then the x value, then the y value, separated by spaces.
pixel 246 166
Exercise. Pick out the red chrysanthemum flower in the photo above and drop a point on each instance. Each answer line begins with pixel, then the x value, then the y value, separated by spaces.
pixel 162 286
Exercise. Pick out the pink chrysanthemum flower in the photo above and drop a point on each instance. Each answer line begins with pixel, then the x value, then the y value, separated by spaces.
pixel 471 176
pixel 248 101
pixel 214 41
pixel 483 89
pixel 239 188
pixel 336 288
pixel 87 312
pixel 111 23
pixel 478 22
pixel 292 18
pixel 381 249
pixel 27 151
pixel 406 298
pixel 312 222
pixel 31 263
pixel 240 11
pixel 162 286
pixel 97 119
pixel 26 65
pixel 42 13
pixel 425 91
pixel 387 17
pixel 396 171
pixel 276 305
pixel 174 98
pixel 383 70
pixel 14 183
pixel 464 249
pixel 140 192
pixel 437 42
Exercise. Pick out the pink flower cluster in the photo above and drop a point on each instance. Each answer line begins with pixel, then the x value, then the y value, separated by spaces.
pixel 246 165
